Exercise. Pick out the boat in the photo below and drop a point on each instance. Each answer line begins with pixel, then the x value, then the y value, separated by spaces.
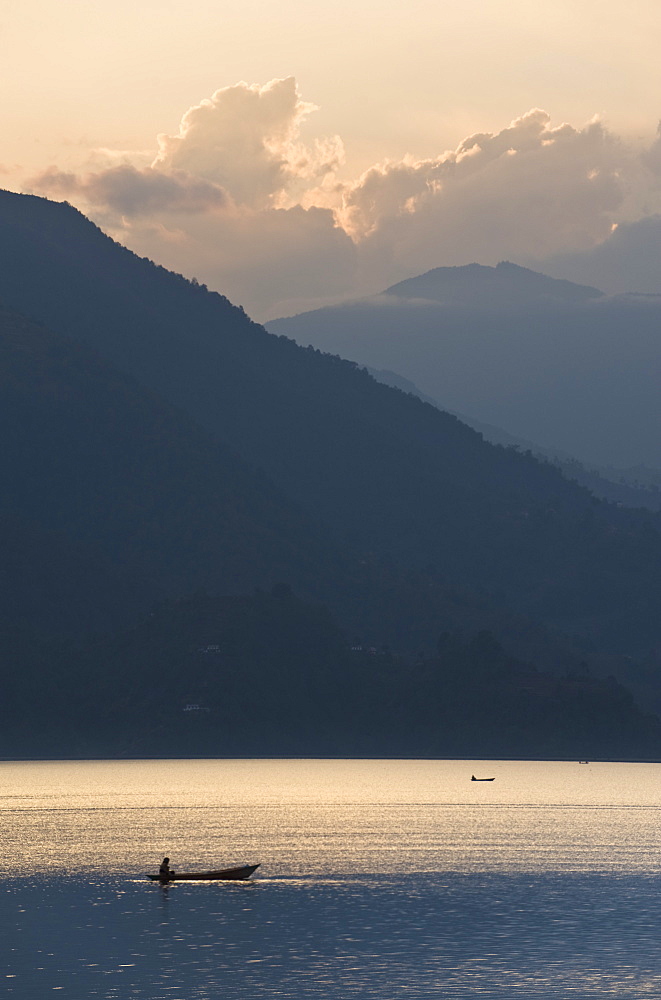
pixel 473 778
pixel 221 875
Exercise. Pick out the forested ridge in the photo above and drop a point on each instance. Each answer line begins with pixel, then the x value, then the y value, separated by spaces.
pixel 269 674
pixel 158 443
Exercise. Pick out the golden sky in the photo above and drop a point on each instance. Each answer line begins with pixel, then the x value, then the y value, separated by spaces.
pixel 389 77
pixel 89 85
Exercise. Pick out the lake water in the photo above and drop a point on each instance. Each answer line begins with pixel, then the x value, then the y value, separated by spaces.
pixel 378 879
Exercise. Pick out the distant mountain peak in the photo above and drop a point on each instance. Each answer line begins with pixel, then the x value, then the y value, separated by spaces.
pixel 481 285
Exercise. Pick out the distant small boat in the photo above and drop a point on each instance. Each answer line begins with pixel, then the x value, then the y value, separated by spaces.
pixel 473 778
pixel 221 875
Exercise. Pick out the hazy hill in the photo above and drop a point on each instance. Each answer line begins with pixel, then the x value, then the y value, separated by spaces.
pixel 422 504
pixel 503 286
pixel 545 360
pixel 633 487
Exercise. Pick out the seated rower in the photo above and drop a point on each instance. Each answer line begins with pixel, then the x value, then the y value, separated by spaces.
pixel 164 871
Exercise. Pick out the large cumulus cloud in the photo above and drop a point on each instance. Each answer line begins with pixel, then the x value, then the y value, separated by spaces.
pixel 528 190
pixel 246 139
pixel 236 198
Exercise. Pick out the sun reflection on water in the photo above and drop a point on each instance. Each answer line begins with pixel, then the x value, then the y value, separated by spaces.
pixel 379 879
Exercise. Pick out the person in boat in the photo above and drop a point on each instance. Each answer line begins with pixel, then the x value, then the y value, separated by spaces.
pixel 164 871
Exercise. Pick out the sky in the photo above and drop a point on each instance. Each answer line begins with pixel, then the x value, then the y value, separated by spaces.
pixel 291 154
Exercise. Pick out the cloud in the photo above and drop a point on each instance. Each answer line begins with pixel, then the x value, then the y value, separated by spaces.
pixel 652 156
pixel 246 139
pixel 272 262
pixel 130 191
pixel 530 189
pixel 628 261
pixel 238 199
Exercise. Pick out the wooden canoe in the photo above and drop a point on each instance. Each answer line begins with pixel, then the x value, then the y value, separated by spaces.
pixel 222 874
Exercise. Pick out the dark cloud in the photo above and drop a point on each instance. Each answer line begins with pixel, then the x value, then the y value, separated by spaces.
pixel 130 191
pixel 272 262
pixel 628 261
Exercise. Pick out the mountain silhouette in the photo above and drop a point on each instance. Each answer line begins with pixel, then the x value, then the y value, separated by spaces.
pixel 379 503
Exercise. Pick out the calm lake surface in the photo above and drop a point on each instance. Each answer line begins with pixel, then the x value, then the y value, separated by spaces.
pixel 378 879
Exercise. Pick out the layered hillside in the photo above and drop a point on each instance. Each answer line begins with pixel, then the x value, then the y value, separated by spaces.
pixel 544 360
pixel 632 487
pixel 420 501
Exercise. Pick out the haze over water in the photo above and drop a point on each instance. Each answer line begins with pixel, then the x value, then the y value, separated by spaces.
pixel 378 879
